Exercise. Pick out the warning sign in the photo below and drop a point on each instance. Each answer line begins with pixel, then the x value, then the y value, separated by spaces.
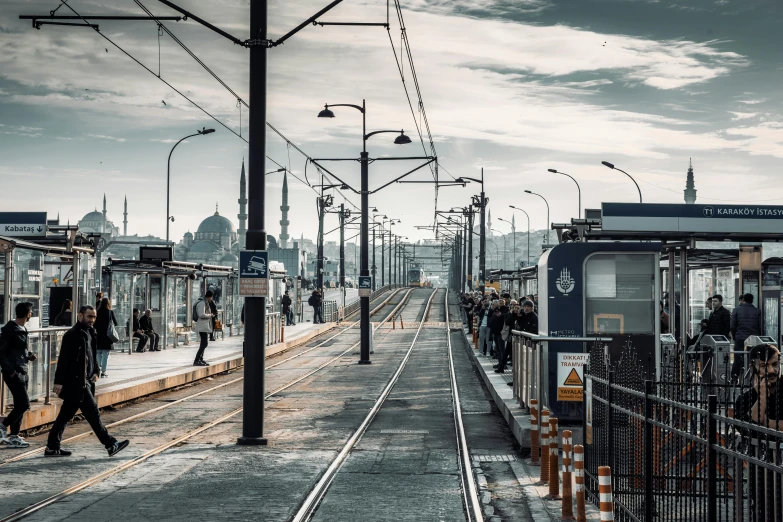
pixel 570 372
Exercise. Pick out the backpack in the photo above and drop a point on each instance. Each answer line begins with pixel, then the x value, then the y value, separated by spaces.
pixel 311 301
pixel 195 311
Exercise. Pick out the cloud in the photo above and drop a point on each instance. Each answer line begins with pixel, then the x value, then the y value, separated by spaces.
pixel 743 115
pixel 105 137
pixel 753 102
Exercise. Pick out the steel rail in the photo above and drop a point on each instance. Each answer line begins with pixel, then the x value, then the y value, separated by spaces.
pixel 139 415
pixel 310 504
pixel 470 494
pixel 33 508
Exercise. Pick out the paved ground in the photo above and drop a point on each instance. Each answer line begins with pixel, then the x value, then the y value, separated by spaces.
pixel 401 476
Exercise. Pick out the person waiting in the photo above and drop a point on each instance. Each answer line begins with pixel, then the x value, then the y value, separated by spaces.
pixel 146 325
pixel 138 333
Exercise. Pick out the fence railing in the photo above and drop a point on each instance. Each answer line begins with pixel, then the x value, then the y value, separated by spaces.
pixel 44 343
pixel 682 451
pixel 274 328
pixel 354 307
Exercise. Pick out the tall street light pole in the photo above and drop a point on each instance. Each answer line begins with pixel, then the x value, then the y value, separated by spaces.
pixel 481 203
pixel 548 225
pixel 611 166
pixel 514 237
pixel 578 189
pixel 374 226
pixel 202 132
pixel 528 231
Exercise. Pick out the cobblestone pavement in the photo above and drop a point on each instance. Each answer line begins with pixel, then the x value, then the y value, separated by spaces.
pixel 210 477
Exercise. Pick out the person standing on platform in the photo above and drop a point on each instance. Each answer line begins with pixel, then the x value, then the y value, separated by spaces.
pixel 105 317
pixel 98 299
pixel 65 317
pixel 483 319
pixel 14 356
pixel 214 311
pixel 135 326
pixel 285 303
pixel 146 326
pixel 316 301
pixel 74 383
pixel 720 318
pixel 203 326
pixel 745 321
pixel 528 321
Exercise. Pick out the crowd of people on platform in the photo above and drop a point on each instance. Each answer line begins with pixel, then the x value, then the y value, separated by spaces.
pixel 496 316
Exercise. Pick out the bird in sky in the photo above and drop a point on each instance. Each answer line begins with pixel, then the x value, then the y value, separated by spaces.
pixel 164 102
pixel 106 50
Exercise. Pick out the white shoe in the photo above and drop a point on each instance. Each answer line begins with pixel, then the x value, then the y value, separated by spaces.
pixel 3 434
pixel 15 441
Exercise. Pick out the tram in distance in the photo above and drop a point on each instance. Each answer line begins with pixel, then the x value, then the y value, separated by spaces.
pixel 417 277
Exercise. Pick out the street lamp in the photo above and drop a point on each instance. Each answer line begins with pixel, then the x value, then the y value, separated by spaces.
pixel 548 225
pixel 528 232
pixel 578 189
pixel 203 132
pixel 611 166
pixel 402 139
pixel 483 233
pixel 514 240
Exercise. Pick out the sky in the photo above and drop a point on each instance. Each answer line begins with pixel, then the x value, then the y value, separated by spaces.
pixel 511 86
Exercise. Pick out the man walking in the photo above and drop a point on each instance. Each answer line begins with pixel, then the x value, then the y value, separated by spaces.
pixel 745 321
pixel 720 318
pixel 146 326
pixel 74 382
pixel 203 317
pixel 14 356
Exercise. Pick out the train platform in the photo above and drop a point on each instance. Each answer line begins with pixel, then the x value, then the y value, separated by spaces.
pixel 136 375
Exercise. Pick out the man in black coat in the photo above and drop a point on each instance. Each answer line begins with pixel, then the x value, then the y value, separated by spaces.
pixel 745 321
pixel 286 303
pixel 528 321
pixel 145 323
pixel 14 356
pixel 138 333
pixel 74 381
pixel 214 310
pixel 720 318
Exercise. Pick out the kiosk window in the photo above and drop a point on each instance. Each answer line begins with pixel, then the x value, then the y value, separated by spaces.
pixel 619 294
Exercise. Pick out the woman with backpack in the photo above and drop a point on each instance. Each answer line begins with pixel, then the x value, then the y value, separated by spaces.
pixel 107 335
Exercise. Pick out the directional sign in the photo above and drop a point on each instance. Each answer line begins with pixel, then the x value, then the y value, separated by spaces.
pixel 23 224
pixel 254 273
pixel 365 286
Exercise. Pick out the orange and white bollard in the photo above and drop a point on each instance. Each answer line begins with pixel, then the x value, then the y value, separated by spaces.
pixel 567 510
pixel 605 493
pixel 394 322
pixel 554 471
pixel 579 475
pixel 534 448
pixel 282 333
pixel 544 476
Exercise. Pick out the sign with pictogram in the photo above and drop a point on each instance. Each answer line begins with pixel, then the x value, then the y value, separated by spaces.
pixel 365 286
pixel 570 375
pixel 254 273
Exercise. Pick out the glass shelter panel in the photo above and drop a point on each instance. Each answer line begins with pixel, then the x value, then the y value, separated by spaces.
pixel 619 294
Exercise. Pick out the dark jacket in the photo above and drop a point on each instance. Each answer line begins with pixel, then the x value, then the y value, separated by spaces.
pixel 745 321
pixel 528 323
pixel 105 317
pixel 286 303
pixel 720 322
pixel 315 299
pixel 76 362
pixel 146 323
pixel 496 322
pixel 13 349
pixel 63 318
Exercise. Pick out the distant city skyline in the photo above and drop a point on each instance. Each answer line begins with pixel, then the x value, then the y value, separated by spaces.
pixel 513 87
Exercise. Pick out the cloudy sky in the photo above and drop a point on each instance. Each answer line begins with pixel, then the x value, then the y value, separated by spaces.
pixel 513 86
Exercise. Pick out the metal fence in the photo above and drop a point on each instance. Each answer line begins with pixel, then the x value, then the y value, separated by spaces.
pixel 683 451
pixel 44 343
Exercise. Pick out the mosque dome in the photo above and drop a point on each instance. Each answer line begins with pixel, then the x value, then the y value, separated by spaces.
pixel 229 259
pixel 216 224
pixel 204 247
pixel 93 216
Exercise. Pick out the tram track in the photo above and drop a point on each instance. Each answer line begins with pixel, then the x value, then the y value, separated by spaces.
pixel 95 479
pixel 37 451
pixel 470 501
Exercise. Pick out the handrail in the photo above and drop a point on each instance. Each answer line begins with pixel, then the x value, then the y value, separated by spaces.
pixel 50 329
pixel 534 337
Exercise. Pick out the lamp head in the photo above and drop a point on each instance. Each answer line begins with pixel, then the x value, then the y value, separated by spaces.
pixel 528 192
pixel 402 139
pixel 344 187
pixel 204 130
pixel 606 163
pixel 326 113
pixel 553 171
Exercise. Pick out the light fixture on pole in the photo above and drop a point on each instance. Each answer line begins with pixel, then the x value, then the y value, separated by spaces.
pixel 611 166
pixel 548 223
pixel 528 231
pixel 578 189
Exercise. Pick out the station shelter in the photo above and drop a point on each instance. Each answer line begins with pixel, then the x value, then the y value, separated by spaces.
pixel 615 272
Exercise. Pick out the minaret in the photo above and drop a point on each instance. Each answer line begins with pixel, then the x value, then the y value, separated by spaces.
pixel 125 220
pixel 242 207
pixel 489 223
pixel 284 207
pixel 103 225
pixel 690 188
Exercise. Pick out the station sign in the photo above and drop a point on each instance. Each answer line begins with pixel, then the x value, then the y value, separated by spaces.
pixel 23 224
pixel 365 286
pixel 254 273
pixel 570 376
pixel 668 217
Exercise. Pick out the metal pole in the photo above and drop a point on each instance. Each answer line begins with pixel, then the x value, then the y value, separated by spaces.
pixel 168 184
pixel 383 283
pixel 364 357
pixel 319 277
pixel 255 307
pixel 464 256
pixel 482 239
pixel 470 250
pixel 391 255
pixel 373 255
pixel 342 248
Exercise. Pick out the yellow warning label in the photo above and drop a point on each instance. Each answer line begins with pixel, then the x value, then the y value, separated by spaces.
pixel 573 379
pixel 569 394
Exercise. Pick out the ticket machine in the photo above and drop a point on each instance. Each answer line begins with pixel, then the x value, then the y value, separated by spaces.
pixel 715 358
